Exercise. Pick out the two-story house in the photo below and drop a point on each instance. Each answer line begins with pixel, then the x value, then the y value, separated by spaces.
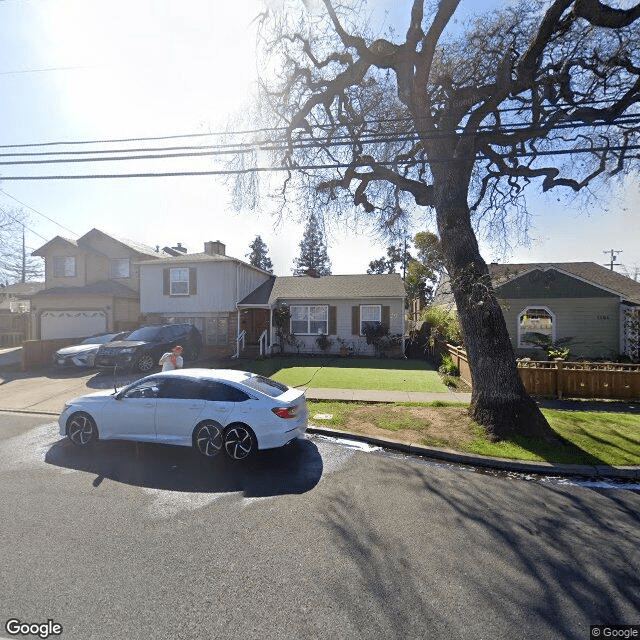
pixel 203 289
pixel 92 285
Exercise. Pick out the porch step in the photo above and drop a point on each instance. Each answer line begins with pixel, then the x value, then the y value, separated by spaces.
pixel 250 352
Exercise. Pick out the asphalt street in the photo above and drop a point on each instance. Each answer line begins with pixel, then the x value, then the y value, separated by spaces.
pixel 317 540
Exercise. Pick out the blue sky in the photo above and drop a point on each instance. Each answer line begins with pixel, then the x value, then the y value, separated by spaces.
pixel 89 70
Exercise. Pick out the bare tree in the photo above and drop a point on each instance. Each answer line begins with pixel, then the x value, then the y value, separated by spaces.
pixel 16 262
pixel 457 123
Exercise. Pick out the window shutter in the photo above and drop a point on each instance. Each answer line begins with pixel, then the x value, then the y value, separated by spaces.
pixel 166 290
pixel 385 317
pixel 193 281
pixel 333 321
pixel 355 321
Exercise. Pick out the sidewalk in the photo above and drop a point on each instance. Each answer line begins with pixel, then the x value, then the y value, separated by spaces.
pixel 46 395
pixel 363 395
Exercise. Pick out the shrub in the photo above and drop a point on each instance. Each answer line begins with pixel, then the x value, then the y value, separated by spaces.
pixel 324 342
pixel 447 366
pixel 444 324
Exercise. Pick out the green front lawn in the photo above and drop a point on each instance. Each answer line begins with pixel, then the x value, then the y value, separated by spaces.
pixel 351 373
pixel 593 438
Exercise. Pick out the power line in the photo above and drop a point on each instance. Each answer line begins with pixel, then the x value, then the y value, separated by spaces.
pixel 316 167
pixel 6 213
pixel 265 145
pixel 262 130
pixel 39 213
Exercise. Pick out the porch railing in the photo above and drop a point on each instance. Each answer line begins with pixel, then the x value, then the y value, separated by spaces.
pixel 262 341
pixel 240 342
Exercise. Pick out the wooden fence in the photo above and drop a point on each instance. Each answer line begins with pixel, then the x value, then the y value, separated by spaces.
pixel 38 353
pixel 602 380
pixel 607 380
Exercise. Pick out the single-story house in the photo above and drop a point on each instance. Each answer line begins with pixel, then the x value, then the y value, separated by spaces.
pixel 335 307
pixel 91 286
pixel 581 301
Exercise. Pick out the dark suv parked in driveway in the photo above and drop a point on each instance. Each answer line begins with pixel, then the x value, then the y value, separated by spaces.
pixel 144 346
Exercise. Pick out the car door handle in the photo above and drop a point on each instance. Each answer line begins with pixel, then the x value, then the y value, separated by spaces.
pixel 149 405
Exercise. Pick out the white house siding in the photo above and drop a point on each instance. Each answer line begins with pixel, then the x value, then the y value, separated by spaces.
pixel 356 343
pixel 592 322
pixel 221 284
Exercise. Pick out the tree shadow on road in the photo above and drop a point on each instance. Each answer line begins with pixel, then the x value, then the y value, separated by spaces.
pixel 293 469
pixel 559 558
pixel 378 587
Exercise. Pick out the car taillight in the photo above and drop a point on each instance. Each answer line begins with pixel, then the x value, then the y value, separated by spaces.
pixel 285 412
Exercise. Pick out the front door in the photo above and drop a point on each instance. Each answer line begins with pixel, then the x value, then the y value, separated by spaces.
pixel 254 322
pixel 261 322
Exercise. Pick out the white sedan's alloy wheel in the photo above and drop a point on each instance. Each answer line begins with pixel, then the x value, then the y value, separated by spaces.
pixel 239 442
pixel 208 439
pixel 81 429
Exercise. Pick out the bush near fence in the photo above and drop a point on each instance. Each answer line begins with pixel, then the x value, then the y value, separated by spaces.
pixel 601 380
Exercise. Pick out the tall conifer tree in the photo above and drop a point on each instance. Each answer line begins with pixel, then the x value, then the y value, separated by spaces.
pixel 313 259
pixel 258 256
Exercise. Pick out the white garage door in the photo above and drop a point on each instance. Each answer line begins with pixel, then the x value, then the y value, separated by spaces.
pixel 71 324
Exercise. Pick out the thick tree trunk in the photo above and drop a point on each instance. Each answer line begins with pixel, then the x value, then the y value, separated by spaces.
pixel 499 401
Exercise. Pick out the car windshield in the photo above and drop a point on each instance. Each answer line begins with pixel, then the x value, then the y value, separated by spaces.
pixel 99 339
pixel 144 333
pixel 266 385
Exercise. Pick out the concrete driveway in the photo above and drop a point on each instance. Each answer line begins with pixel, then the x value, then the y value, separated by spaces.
pixel 46 390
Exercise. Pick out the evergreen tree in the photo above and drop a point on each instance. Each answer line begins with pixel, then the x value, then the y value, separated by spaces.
pixel 258 256
pixel 396 255
pixel 313 259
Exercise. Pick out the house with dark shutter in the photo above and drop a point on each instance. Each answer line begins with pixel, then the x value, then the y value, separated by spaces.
pixel 581 301
pixel 203 289
pixel 338 307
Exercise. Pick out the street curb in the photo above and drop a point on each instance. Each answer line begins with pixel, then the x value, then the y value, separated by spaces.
pixel 500 464
pixel 449 455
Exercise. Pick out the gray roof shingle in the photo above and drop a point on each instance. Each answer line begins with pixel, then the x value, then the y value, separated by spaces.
pixel 342 287
pixel 626 288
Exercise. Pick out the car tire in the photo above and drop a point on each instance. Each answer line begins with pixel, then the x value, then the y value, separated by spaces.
pixel 208 438
pixel 145 363
pixel 82 429
pixel 239 441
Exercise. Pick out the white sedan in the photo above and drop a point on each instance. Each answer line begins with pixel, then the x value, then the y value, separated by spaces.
pixel 208 409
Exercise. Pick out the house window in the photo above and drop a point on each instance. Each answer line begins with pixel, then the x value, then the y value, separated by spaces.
pixel 310 319
pixel 370 314
pixel 120 268
pixel 64 266
pixel 179 282
pixel 535 324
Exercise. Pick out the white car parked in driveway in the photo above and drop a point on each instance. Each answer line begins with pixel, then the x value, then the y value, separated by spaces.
pixel 209 409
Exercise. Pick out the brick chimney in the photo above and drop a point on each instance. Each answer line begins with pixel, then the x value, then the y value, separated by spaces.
pixel 215 248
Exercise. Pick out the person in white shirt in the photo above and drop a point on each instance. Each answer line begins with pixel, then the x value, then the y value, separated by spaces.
pixel 172 359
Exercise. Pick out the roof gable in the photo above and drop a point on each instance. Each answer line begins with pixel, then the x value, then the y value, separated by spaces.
pixel 136 247
pixel 549 283
pixel 587 278
pixel 589 273
pixel 58 241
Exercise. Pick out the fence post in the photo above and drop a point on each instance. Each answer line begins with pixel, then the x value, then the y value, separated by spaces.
pixel 559 378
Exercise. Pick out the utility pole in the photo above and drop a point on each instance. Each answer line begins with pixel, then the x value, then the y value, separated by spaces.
pixel 614 254
pixel 24 259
